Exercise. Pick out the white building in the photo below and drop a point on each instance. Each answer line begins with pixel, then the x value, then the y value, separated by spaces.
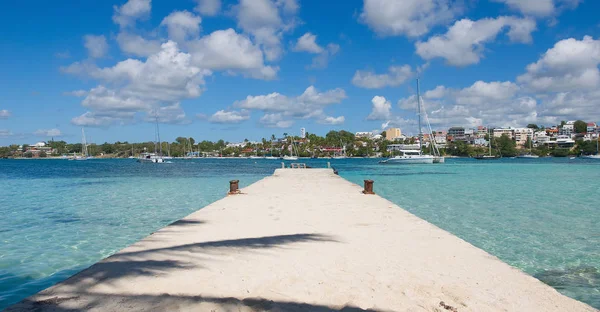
pixel 498 132
pixel 522 134
pixel 302 133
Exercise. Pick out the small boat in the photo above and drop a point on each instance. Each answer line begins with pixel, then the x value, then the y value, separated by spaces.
pixel 528 156
pixel 256 157
pixel 156 157
pixel 290 157
pixel 271 157
pixel 409 157
pixel 486 157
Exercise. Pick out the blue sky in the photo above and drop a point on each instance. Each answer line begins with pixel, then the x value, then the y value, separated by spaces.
pixel 241 69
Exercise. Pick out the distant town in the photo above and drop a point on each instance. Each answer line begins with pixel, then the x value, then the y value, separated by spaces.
pixel 568 138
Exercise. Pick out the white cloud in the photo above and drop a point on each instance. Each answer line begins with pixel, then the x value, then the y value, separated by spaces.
pixel 96 45
pixel 229 117
pixel 228 50
pixel 5 133
pixel 182 25
pixel 63 55
pixel 395 76
pixel 170 114
pixel 48 132
pixel 76 93
pixel 208 7
pixel 307 43
pixel 276 120
pixel 127 14
pixel 4 113
pixel 137 45
pixel 154 86
pixel 570 65
pixel 332 120
pixel 382 109
pixel 463 44
pixel 267 21
pixel 539 8
pixel 308 105
pixel 407 17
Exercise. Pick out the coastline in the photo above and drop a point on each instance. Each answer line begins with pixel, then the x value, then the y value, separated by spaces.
pixel 303 239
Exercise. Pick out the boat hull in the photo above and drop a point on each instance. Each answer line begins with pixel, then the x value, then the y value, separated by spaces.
pixel 409 160
pixel 439 160
pixel 592 157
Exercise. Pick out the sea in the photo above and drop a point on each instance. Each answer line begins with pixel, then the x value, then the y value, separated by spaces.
pixel 58 217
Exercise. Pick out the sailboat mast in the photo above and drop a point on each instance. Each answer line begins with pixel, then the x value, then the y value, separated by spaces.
pixel 419 114
pixel 490 142
pixel 158 137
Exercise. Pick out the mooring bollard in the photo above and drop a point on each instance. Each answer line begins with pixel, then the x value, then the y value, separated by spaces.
pixel 328 165
pixel 368 187
pixel 234 187
pixel 282 165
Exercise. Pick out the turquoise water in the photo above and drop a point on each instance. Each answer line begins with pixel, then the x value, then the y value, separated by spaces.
pixel 59 217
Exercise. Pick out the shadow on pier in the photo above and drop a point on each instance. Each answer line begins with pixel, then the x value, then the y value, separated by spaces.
pixel 167 302
pixel 159 262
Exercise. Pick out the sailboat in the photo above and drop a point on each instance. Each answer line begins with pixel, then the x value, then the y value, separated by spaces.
pixel 291 157
pixel 131 157
pixel 490 156
pixel 437 155
pixel 597 156
pixel 271 157
pixel 529 155
pixel 412 156
pixel 155 157
pixel 84 148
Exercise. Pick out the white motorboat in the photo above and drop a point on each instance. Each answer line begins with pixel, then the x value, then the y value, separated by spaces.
pixel 290 157
pixel 409 157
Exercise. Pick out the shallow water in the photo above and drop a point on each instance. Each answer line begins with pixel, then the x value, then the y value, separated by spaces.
pixel 61 216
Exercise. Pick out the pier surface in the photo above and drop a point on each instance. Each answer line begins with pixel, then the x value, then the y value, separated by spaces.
pixel 301 240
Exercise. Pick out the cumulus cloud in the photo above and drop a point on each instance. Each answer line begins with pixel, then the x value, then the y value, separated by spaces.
pixel 395 76
pixel 382 109
pixel 182 25
pixel 570 65
pixel 307 43
pixel 408 17
pixel 267 21
pixel 566 79
pixel 228 50
pixel 540 8
pixel 464 43
pixel 332 120
pixel 280 110
pixel 493 103
pixel 309 104
pixel 133 86
pixel 229 117
pixel 95 45
pixel 208 7
pixel 137 45
pixel 276 120
pixel 127 14
pixel 4 113
pixel 48 132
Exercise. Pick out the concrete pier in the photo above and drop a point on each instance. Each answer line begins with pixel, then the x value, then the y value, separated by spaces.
pixel 301 240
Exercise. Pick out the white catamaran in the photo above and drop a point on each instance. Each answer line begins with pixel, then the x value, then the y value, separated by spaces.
pixel 413 156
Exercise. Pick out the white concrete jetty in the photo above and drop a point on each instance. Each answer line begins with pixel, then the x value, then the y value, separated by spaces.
pixel 301 240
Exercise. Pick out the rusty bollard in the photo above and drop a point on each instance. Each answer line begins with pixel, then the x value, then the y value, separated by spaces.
pixel 234 187
pixel 368 187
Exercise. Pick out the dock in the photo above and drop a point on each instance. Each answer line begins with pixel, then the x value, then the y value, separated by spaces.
pixel 301 240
